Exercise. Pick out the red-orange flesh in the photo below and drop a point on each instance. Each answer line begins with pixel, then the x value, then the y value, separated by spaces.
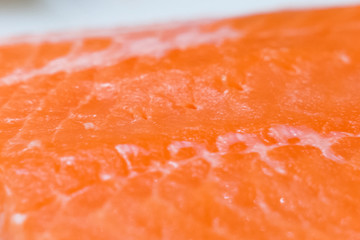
pixel 244 128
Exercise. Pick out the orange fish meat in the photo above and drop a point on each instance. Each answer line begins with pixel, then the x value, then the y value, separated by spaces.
pixel 242 128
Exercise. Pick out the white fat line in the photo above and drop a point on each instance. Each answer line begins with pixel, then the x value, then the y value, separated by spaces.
pixel 125 48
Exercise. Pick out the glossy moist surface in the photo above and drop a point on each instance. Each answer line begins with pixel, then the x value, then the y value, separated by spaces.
pixel 244 128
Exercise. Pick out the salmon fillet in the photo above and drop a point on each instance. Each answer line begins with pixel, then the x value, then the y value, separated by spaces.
pixel 242 128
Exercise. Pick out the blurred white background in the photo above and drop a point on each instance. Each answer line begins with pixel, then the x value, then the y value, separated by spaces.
pixel 37 16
